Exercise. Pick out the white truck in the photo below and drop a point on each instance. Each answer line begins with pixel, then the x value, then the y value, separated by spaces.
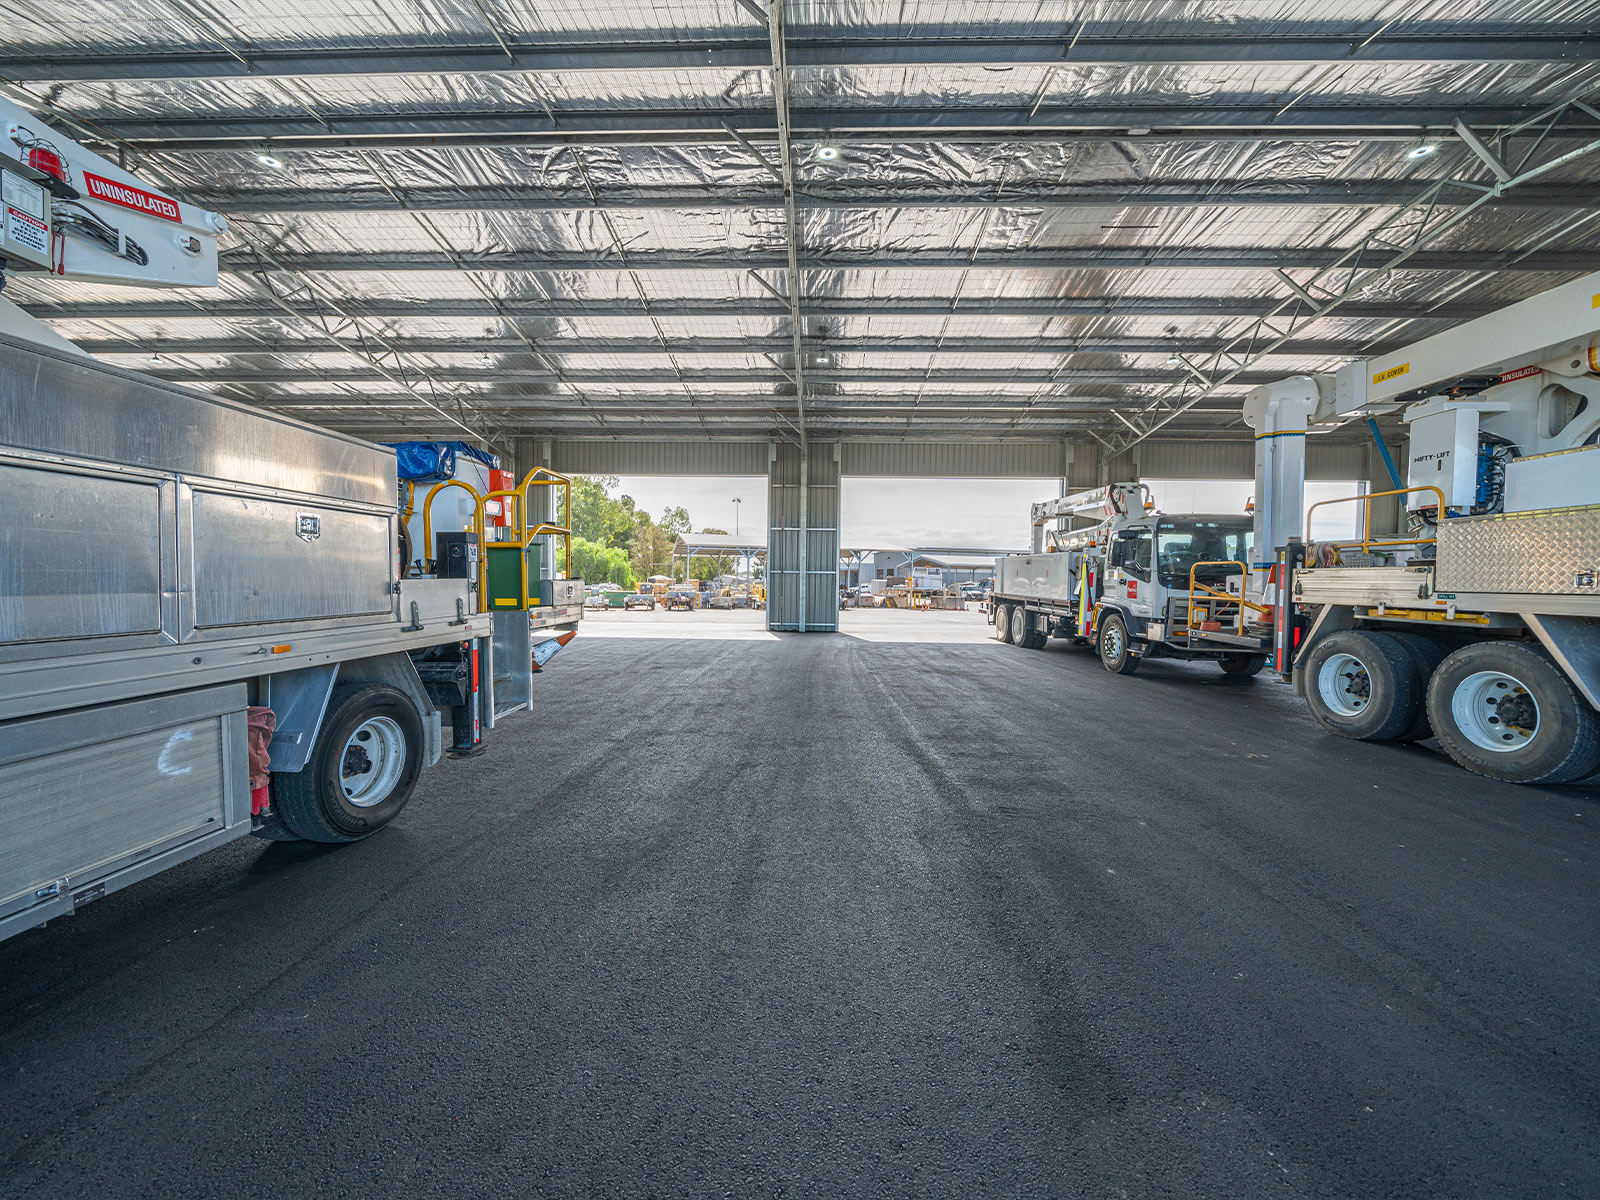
pixel 1477 621
pixel 206 629
pixel 1137 583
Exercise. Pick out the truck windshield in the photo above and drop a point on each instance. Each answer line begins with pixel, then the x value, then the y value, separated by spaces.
pixel 1180 544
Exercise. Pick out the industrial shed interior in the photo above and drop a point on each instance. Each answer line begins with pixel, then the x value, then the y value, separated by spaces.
pixel 1094 243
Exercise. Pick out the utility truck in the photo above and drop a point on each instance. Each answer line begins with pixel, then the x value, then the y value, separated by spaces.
pixel 206 626
pixel 1108 569
pixel 1477 619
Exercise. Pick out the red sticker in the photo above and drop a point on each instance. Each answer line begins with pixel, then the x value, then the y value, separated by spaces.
pixel 129 196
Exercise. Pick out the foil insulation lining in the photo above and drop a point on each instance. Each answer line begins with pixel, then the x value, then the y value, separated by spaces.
pixel 626 235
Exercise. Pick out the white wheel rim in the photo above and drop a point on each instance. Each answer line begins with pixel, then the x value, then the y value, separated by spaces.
pixel 1344 685
pixel 1495 711
pixel 374 756
pixel 1111 641
pixel 1019 625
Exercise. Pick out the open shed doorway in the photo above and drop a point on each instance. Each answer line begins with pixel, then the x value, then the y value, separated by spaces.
pixel 917 553
pixel 666 556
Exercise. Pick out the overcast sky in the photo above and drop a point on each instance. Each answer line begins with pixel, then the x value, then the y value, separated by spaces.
pixel 984 513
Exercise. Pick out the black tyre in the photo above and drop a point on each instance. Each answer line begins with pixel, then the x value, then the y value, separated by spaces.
pixel 1363 685
pixel 1020 634
pixel 1002 622
pixel 1506 711
pixel 1426 655
pixel 1116 653
pixel 1242 665
pixel 361 770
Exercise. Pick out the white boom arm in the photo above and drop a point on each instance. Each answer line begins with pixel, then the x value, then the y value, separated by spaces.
pixel 70 213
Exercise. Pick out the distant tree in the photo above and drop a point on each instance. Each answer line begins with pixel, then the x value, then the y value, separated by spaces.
pixel 675 522
pixel 651 551
pixel 594 563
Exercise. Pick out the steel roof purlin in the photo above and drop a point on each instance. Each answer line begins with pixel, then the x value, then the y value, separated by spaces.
pixel 799 219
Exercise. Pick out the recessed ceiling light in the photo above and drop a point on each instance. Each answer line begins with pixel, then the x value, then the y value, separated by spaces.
pixel 827 153
pixel 269 160
pixel 1421 151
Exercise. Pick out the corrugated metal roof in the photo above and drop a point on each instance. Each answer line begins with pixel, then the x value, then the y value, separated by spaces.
pixel 1013 221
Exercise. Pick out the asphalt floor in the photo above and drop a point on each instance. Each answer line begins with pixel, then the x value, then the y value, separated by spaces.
pixel 896 912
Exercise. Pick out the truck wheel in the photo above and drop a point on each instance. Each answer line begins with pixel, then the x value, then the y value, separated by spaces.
pixel 1242 665
pixel 1020 634
pixel 1002 622
pixel 361 770
pixel 1116 655
pixel 1426 655
pixel 1507 711
pixel 1363 686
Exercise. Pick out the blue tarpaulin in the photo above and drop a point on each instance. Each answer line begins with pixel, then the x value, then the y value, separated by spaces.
pixel 434 462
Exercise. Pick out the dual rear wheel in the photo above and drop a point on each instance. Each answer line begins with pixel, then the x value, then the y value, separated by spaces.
pixel 1502 709
pixel 1015 624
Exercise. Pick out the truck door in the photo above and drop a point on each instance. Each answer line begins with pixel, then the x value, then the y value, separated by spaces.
pixel 1136 587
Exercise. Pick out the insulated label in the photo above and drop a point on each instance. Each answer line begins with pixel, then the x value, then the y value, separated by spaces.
pixel 1391 373
pixel 28 232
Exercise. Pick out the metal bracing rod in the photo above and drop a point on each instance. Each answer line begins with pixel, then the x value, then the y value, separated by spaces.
pixel 639 290
pixel 229 132
pixel 1077 258
pixel 1212 194
pixel 392 188
pixel 647 404
pixel 1411 229
pixel 305 373
pixel 1197 307
pixel 774 344
pixel 308 304
pixel 825 50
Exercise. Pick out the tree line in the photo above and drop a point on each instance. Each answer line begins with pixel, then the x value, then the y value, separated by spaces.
pixel 615 541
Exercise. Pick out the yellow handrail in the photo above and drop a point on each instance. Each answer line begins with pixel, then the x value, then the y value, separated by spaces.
pixel 1244 585
pixel 1366 542
pixel 427 519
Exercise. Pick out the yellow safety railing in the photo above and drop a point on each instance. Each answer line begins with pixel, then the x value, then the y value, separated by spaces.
pixel 1367 542
pixel 427 518
pixel 540 477
pixel 523 535
pixel 1225 597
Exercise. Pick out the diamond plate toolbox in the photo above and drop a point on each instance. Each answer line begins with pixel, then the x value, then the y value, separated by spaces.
pixel 1549 552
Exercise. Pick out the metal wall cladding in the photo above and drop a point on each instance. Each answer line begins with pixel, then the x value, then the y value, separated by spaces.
pixel 581 457
pixel 56 404
pixel 80 555
pixel 1555 552
pixel 955 460
pixel 820 531
pixel 1233 460
pixel 251 565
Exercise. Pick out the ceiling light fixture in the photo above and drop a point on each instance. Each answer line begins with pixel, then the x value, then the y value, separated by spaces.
pixel 268 159
pixel 1421 151
pixel 485 359
pixel 154 358
pixel 1173 359
pixel 827 153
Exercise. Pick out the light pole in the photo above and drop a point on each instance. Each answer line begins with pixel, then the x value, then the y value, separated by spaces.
pixel 736 503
